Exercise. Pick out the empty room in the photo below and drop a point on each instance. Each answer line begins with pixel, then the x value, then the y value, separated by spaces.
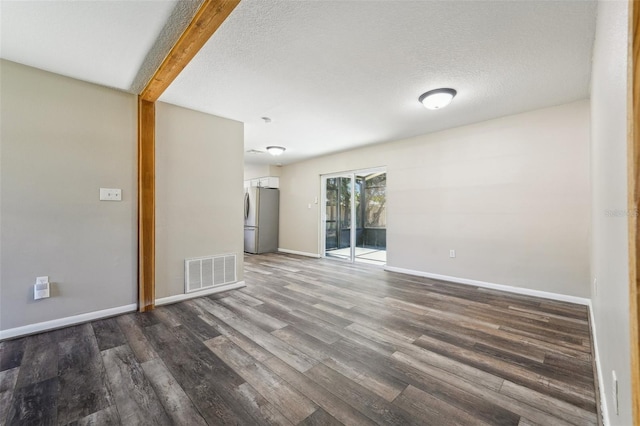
pixel 319 212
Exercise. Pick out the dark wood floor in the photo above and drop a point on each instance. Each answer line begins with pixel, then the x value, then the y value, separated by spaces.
pixel 313 342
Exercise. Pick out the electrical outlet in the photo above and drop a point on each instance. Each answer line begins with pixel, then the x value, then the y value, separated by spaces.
pixel 452 253
pixel 595 286
pixel 110 194
pixel 41 288
pixel 614 392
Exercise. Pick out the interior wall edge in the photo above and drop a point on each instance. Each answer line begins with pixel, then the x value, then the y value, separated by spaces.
pixel 39 327
pixel 609 242
pixel 494 286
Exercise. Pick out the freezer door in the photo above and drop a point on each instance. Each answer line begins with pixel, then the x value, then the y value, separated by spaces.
pixel 251 240
pixel 251 203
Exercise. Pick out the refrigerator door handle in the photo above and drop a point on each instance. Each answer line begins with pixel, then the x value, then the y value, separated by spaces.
pixel 246 205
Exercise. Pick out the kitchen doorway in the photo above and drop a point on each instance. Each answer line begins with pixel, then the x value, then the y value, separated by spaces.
pixel 354 218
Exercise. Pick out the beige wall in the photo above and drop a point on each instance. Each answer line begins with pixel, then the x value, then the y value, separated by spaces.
pixel 199 175
pixel 62 140
pixel 253 171
pixel 609 255
pixel 511 196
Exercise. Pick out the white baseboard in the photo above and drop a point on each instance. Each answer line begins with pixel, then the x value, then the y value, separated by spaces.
pixel 502 287
pixel 186 296
pixel 65 322
pixel 301 253
pixel 105 313
pixel 596 354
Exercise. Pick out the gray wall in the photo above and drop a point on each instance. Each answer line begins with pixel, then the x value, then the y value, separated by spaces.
pixel 62 140
pixel 609 255
pixel 199 195
pixel 510 195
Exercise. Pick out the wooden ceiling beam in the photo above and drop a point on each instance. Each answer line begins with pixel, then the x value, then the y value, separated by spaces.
pixel 207 20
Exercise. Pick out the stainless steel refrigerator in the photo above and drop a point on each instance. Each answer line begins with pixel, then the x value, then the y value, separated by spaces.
pixel 261 208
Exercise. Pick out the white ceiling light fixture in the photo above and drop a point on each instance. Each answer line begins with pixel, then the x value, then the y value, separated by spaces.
pixel 276 150
pixel 437 98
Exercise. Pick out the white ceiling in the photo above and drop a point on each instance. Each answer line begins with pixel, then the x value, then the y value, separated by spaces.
pixel 102 42
pixel 331 75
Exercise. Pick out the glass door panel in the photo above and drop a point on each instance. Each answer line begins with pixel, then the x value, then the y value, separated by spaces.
pixel 371 244
pixel 331 215
pixel 338 217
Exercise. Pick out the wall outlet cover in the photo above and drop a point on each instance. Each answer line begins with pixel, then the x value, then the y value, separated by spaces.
pixel 41 291
pixel 614 392
pixel 110 194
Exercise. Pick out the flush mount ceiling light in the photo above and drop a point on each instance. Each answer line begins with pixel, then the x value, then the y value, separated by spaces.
pixel 438 98
pixel 276 150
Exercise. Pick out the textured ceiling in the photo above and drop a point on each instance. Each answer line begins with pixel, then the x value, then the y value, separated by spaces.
pixel 338 74
pixel 103 42
pixel 331 75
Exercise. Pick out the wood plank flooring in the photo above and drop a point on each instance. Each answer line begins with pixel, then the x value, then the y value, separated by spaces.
pixel 313 342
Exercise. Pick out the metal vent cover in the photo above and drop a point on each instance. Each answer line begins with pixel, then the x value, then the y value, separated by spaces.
pixel 202 273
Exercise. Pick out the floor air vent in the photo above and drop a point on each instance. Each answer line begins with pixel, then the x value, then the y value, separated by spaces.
pixel 205 272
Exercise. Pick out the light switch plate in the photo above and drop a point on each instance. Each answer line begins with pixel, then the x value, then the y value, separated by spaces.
pixel 110 194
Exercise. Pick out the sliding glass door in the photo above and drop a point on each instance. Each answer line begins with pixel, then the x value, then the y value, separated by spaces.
pixel 354 216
